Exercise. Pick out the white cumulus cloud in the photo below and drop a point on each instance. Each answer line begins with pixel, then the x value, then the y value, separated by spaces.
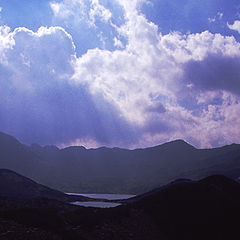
pixel 79 10
pixel 156 69
pixel 235 26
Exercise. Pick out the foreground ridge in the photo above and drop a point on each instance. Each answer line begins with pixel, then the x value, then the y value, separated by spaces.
pixel 205 209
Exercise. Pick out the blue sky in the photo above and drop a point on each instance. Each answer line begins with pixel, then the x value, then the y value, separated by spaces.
pixel 120 73
pixel 193 16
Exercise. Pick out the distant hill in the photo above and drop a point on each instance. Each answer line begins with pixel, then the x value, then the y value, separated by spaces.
pixel 16 186
pixel 116 170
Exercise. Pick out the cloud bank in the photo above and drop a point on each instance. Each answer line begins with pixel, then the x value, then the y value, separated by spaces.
pixel 152 89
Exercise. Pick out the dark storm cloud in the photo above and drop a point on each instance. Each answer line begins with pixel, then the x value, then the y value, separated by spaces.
pixel 215 72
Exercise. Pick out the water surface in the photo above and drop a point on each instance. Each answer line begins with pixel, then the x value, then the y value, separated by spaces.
pixel 101 196
pixel 104 196
pixel 97 204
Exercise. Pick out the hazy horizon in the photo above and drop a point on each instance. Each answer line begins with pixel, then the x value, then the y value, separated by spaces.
pixel 115 147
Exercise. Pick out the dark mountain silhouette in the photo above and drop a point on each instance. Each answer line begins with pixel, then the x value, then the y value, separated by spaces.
pixel 152 192
pixel 206 209
pixel 183 210
pixel 16 186
pixel 116 170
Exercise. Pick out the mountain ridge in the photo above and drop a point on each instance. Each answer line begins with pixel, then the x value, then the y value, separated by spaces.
pixel 115 170
pixel 204 209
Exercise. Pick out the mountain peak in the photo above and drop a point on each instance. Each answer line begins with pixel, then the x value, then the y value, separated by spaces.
pixel 176 144
pixel 179 141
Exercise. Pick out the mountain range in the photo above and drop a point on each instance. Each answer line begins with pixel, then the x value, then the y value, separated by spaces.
pixel 116 170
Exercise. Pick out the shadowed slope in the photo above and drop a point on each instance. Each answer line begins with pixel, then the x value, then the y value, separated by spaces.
pixel 207 209
pixel 14 185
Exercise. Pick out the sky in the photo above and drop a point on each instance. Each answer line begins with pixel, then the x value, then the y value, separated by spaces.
pixel 120 73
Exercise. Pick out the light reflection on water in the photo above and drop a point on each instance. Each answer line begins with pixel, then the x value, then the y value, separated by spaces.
pixel 97 204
